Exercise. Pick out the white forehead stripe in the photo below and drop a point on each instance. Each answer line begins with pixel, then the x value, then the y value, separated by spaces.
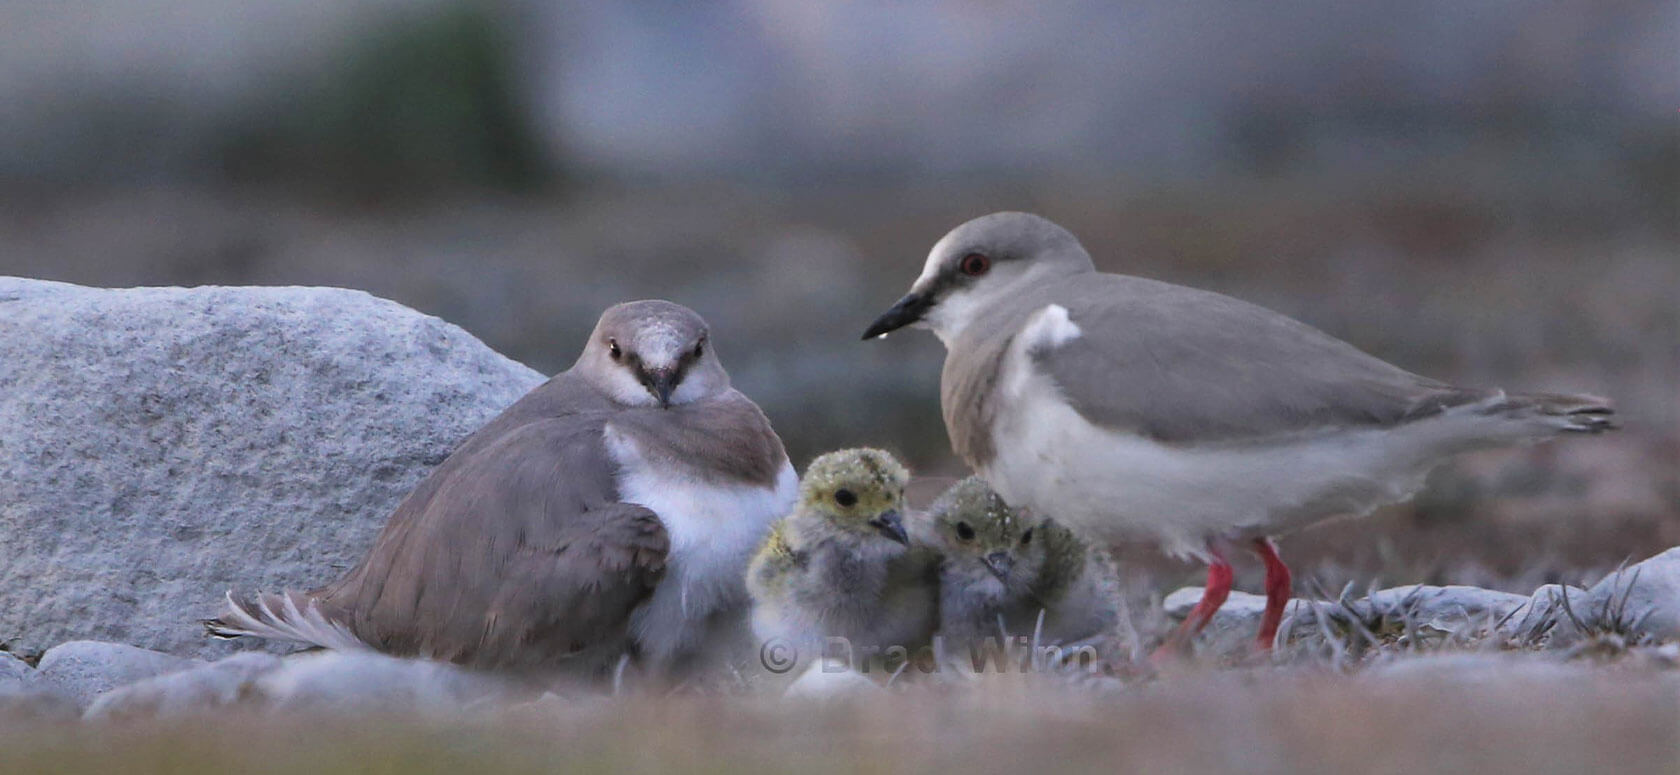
pixel 658 343
pixel 931 267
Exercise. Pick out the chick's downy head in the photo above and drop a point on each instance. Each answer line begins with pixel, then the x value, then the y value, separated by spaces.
pixel 986 542
pixel 858 494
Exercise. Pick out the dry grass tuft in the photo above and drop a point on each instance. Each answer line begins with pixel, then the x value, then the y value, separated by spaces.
pixel 1198 721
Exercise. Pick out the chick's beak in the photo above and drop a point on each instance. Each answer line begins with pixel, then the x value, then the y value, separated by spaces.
pixel 891 526
pixel 908 310
pixel 1000 564
pixel 660 382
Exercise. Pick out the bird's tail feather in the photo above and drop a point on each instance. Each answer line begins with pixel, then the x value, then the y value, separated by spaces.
pixel 1564 413
pixel 288 616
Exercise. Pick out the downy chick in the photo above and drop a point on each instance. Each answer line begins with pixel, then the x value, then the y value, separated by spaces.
pixel 843 564
pixel 1002 567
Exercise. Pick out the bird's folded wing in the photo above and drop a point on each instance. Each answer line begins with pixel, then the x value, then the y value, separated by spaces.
pixel 1181 365
pixel 520 556
pixel 555 603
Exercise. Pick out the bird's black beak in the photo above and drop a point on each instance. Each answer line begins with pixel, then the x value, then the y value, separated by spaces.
pixel 908 310
pixel 891 526
pixel 1000 564
pixel 660 382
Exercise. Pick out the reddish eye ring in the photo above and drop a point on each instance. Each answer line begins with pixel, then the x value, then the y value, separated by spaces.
pixel 975 264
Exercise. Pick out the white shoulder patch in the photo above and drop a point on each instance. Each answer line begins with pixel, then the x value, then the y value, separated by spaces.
pixel 1049 328
pixel 1046 329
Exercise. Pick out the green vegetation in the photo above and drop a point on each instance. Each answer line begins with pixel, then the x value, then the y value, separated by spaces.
pixel 422 101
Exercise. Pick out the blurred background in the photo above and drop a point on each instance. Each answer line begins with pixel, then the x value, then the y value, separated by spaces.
pixel 1485 192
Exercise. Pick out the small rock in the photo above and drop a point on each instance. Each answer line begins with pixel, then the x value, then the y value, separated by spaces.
pixel 342 681
pixel 23 701
pixel 1543 614
pixel 819 684
pixel 1641 601
pixel 565 703
pixel 86 669
pixel 1445 608
pixel 1232 630
pixel 1424 608
pixel 12 668
pixel 196 690
pixel 1230 634
pixel 1239 606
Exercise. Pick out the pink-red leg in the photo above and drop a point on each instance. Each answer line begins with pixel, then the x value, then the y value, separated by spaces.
pixel 1277 590
pixel 1213 596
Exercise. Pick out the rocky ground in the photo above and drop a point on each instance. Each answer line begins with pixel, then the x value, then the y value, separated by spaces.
pixel 1626 624
pixel 161 445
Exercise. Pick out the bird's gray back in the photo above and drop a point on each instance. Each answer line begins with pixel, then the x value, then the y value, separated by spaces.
pixel 1181 365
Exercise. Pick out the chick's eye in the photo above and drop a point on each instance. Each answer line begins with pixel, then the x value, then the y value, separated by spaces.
pixel 612 349
pixel 965 532
pixel 846 498
pixel 700 348
pixel 975 264
pixel 1026 538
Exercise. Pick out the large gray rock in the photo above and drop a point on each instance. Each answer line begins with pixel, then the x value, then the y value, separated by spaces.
pixel 160 445
pixel 85 669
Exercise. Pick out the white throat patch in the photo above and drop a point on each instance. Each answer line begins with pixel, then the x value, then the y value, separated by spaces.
pixel 625 389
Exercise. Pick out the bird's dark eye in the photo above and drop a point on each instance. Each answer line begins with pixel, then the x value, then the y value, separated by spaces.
pixel 1026 538
pixel 612 349
pixel 846 498
pixel 975 264
pixel 965 532
pixel 700 347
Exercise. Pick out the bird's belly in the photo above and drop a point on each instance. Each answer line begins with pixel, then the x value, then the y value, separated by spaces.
pixel 1122 486
pixel 714 529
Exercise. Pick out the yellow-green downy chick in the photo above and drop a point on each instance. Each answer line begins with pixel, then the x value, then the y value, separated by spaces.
pixel 1004 565
pixel 843 564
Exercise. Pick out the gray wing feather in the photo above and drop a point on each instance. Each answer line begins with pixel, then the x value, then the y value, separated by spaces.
pixel 1178 364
